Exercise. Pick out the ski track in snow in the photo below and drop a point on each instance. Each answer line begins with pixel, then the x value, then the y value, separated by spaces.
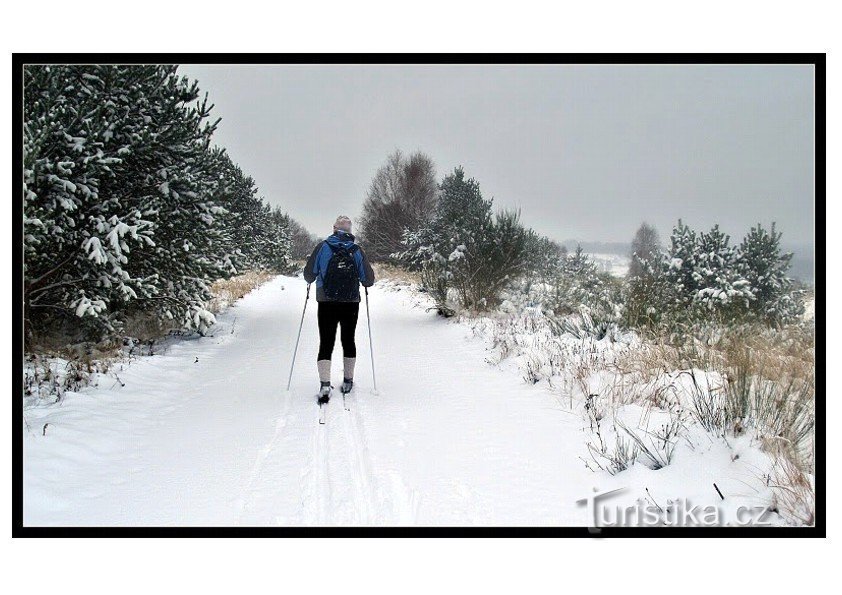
pixel 448 439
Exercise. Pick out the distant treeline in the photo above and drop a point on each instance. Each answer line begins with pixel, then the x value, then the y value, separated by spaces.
pixel 802 265
pixel 469 253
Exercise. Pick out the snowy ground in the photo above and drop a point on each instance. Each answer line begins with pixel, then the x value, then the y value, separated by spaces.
pixel 206 434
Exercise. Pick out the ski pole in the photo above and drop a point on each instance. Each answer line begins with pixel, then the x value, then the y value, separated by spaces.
pixel 298 338
pixel 370 343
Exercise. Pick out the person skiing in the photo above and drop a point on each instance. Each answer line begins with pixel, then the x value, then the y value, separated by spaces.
pixel 338 265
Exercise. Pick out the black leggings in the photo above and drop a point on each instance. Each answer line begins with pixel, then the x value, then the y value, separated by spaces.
pixel 331 314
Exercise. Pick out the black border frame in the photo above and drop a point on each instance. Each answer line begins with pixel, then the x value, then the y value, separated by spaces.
pixel 19 60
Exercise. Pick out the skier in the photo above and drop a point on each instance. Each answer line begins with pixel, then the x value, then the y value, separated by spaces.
pixel 338 266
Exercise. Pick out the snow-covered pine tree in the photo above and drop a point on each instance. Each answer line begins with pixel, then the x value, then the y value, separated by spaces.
pixel 765 266
pixel 123 198
pixel 698 276
pixel 678 268
pixel 501 258
pixel 720 285
pixel 78 230
pixel 545 257
pixel 237 194
pixel 276 253
pixel 580 284
pixel 172 175
pixel 446 249
pixel 465 248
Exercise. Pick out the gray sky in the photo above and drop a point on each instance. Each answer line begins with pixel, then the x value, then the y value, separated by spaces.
pixel 587 152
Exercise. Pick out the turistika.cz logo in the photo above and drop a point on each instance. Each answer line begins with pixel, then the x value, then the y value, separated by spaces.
pixel 679 512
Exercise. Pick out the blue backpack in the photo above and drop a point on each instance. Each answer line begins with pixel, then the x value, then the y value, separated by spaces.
pixel 342 280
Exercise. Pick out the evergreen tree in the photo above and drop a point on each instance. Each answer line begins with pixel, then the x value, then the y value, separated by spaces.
pixel 703 275
pixel 127 207
pixel 465 248
pixel 764 266
pixel 580 284
pixel 679 266
pixel 302 241
pixel 719 284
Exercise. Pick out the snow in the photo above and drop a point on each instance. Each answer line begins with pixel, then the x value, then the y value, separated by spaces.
pixel 809 310
pixel 94 249
pixel 614 264
pixel 205 434
pixel 85 306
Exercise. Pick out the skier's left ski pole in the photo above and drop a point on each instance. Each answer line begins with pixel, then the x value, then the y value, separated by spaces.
pixel 370 343
pixel 298 338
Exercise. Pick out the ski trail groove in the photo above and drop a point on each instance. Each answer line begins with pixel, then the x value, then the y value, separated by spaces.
pixel 263 455
pixel 317 471
pixel 322 475
pixel 361 474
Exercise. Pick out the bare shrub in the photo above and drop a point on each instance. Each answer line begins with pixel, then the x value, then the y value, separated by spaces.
pixel 302 241
pixel 646 247
pixel 656 447
pixel 49 377
pixel 612 456
pixel 402 196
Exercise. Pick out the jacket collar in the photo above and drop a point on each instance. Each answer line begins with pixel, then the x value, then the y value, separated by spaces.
pixel 341 238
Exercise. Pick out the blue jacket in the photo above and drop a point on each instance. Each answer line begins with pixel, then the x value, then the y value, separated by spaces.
pixel 316 265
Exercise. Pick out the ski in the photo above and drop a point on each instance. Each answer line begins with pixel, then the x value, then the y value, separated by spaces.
pixel 322 403
pixel 345 389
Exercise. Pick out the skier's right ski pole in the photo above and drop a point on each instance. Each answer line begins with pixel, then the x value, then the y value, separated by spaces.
pixel 370 343
pixel 294 351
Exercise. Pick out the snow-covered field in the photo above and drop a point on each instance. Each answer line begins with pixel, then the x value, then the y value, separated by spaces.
pixel 613 264
pixel 205 434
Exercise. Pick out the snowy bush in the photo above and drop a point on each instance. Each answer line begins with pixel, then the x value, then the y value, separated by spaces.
pixel 127 207
pixel 579 285
pixel 702 276
pixel 466 255
pixel 46 378
pixel 579 299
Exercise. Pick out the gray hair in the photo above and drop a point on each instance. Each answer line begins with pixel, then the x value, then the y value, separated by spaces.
pixel 343 222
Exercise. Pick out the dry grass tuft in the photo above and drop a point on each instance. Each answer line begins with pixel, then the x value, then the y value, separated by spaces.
pixel 773 354
pixel 395 274
pixel 794 495
pixel 145 327
pixel 227 291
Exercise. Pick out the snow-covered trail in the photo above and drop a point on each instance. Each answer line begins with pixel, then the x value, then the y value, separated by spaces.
pixel 207 435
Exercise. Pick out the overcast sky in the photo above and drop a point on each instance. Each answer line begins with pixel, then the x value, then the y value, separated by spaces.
pixel 586 152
